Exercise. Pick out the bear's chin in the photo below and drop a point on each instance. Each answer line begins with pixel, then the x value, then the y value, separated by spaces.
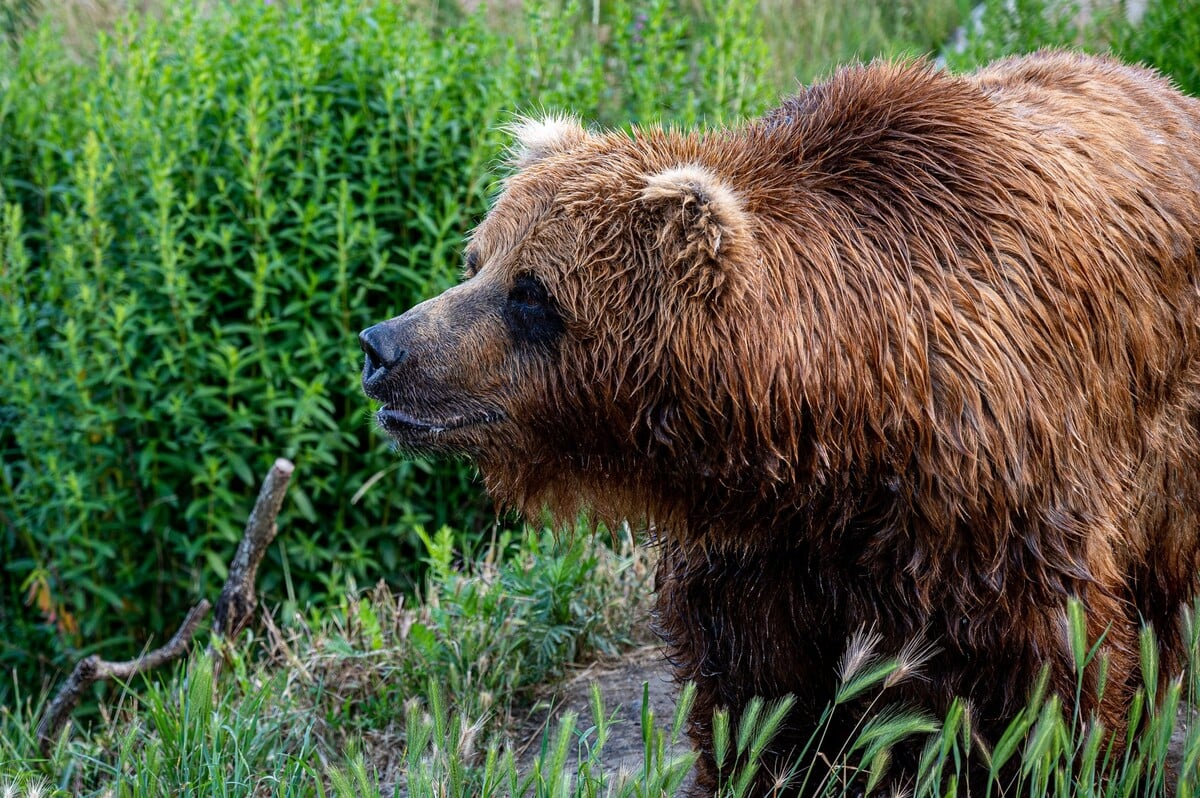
pixel 455 434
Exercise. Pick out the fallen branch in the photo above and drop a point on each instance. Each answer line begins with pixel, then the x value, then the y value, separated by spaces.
pixel 93 669
pixel 235 607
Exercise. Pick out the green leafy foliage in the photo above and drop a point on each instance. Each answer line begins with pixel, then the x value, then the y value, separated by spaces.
pixel 1168 37
pixel 811 38
pixel 1166 34
pixel 487 629
pixel 1007 27
pixel 15 17
pixel 439 673
pixel 302 722
pixel 195 225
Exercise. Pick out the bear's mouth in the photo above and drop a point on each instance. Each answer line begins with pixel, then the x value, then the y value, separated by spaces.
pixel 407 428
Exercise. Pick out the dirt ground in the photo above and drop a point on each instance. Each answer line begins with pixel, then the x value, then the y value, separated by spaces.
pixel 621 688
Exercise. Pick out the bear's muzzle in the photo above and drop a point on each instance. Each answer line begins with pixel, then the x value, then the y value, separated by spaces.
pixel 383 353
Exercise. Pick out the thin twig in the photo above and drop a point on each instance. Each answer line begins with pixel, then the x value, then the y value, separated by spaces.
pixel 93 669
pixel 235 607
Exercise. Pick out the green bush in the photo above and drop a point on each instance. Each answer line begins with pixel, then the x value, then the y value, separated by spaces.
pixel 1009 27
pixel 811 38
pixel 196 224
pixel 1166 37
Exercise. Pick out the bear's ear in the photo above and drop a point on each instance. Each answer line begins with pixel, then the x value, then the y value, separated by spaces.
pixel 704 229
pixel 536 139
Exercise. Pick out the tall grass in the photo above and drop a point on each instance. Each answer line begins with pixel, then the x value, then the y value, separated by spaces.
pixel 1167 35
pixel 802 39
pixel 1050 750
pixel 378 673
pixel 261 731
pixel 810 38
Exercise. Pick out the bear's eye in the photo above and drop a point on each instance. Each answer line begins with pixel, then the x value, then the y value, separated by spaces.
pixel 528 292
pixel 530 314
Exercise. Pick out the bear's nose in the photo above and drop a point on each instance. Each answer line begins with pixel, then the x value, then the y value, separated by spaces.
pixel 382 351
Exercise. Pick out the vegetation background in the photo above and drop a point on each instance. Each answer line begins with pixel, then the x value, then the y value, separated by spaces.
pixel 204 203
pixel 200 206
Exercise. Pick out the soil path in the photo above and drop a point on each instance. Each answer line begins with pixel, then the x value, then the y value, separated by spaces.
pixel 622 685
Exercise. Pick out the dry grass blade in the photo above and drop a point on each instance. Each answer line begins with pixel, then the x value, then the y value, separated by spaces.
pixel 859 653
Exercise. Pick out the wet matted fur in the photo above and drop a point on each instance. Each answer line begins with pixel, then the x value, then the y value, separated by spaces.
pixel 914 352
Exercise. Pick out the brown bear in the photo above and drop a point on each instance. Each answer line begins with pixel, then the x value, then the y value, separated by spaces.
pixel 914 352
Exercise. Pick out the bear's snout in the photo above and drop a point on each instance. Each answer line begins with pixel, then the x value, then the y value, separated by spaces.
pixel 383 350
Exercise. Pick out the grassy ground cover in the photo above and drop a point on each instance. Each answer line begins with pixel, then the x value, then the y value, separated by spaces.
pixel 377 674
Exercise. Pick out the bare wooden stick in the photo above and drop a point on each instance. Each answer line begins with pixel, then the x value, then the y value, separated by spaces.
pixel 93 669
pixel 235 607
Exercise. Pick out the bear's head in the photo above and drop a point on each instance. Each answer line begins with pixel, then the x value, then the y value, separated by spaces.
pixel 597 347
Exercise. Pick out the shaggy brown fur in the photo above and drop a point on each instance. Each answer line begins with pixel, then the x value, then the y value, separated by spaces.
pixel 914 352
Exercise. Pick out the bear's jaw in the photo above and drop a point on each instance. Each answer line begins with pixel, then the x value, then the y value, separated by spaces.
pixel 417 434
